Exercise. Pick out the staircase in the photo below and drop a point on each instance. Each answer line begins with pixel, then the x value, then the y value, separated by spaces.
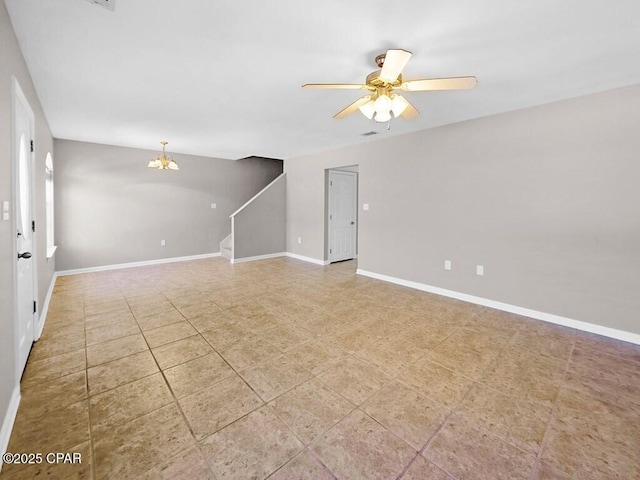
pixel 226 247
pixel 258 227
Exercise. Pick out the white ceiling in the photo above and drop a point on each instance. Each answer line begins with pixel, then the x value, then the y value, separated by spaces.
pixel 222 78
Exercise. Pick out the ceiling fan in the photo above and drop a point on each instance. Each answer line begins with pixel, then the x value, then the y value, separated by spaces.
pixel 382 104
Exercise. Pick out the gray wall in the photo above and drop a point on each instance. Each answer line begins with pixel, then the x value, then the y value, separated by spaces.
pixel 111 208
pixel 12 63
pixel 259 228
pixel 546 198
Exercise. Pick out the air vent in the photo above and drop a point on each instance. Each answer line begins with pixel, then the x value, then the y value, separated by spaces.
pixel 368 134
pixel 108 4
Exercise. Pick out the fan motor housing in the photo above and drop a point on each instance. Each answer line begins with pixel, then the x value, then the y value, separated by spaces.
pixel 373 79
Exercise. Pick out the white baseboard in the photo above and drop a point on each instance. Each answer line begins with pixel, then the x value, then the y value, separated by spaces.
pixel 526 312
pixel 137 264
pixel 258 257
pixel 307 259
pixel 45 308
pixel 9 419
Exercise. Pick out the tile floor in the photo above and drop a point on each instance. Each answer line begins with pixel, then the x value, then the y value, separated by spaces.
pixel 284 370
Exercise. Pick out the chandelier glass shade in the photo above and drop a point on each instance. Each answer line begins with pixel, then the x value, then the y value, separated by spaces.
pixel 162 162
pixel 383 106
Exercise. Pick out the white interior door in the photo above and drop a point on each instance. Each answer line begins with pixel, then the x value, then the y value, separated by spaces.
pixel 343 189
pixel 25 276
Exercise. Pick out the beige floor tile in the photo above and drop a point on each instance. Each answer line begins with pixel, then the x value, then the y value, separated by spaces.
pixel 553 344
pixel 41 398
pixel 317 356
pixel 215 407
pixel 148 309
pixel 400 343
pixel 410 415
pixel 114 349
pixel 129 401
pixel 68 469
pixel 51 368
pixel 198 374
pixel 546 472
pixel 303 467
pixel 211 321
pixel 56 431
pixel 311 409
pixel 187 465
pixel 422 469
pixel 244 355
pixel 198 310
pixel 181 351
pixel 463 360
pixel 133 448
pixel 57 346
pixel 275 377
pixel 118 372
pixel 238 452
pixel 169 333
pixel 159 320
pixel 436 382
pixel 285 338
pixel 106 319
pixel 516 419
pixel 225 336
pixel 584 453
pixel 354 380
pixel 534 384
pixel 589 436
pixel 119 305
pixel 351 449
pixel 58 330
pixel 111 332
pixel 468 453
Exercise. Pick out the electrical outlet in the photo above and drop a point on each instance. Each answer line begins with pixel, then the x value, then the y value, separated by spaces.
pixel 479 270
pixel 447 264
pixel 214 205
pixel 162 243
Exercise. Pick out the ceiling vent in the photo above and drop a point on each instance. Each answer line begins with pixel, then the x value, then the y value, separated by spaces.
pixel 368 134
pixel 108 4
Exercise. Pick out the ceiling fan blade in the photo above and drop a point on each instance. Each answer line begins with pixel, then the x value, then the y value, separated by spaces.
pixel 394 62
pixel 353 107
pixel 452 83
pixel 410 112
pixel 348 86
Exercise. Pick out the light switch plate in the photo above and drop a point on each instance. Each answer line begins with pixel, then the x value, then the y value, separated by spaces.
pixel 447 264
pixel 214 205
pixel 365 206
pixel 479 270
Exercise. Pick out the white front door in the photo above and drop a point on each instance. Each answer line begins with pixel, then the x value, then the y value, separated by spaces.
pixel 25 287
pixel 343 188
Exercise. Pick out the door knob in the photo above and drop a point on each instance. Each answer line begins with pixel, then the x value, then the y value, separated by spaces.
pixel 353 223
pixel 24 255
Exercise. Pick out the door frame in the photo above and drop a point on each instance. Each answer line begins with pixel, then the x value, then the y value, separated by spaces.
pixel 353 170
pixel 18 97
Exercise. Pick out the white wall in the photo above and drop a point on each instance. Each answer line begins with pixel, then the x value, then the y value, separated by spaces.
pixel 546 198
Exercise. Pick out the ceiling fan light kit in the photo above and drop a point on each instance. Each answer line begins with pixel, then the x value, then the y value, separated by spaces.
pixel 381 105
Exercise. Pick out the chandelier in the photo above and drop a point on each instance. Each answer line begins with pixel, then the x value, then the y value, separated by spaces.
pixel 162 162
